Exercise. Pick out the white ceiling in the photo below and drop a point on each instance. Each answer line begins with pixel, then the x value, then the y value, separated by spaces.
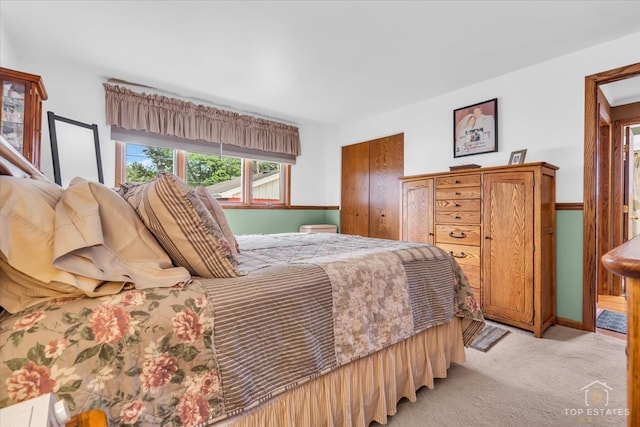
pixel 324 61
pixel 622 92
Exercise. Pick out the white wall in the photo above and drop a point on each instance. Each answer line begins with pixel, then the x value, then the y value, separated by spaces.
pixel 309 177
pixel 540 108
pixel 7 54
pixel 76 91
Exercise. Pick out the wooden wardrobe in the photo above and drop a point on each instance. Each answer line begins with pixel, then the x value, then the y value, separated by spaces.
pixel 21 113
pixel 370 192
pixel 499 224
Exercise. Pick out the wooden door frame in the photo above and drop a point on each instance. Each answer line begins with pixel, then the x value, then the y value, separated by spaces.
pixel 593 208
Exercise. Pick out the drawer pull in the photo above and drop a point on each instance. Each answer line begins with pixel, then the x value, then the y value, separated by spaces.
pixel 456 205
pixel 457 193
pixel 457 181
pixel 459 236
pixel 457 217
pixel 462 255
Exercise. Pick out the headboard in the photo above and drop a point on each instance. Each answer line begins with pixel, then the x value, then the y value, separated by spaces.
pixel 13 163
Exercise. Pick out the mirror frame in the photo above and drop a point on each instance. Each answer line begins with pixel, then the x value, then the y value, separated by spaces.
pixel 55 144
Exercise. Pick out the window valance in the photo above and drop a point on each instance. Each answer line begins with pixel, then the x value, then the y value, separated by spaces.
pixel 166 116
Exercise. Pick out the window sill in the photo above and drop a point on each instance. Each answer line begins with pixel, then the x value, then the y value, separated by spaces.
pixel 274 206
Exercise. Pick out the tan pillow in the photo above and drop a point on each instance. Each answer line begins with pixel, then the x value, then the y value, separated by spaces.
pixel 20 291
pixel 183 225
pixel 212 204
pixel 27 211
pixel 99 235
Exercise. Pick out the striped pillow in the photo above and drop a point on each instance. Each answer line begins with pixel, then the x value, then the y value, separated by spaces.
pixel 183 225
pixel 213 206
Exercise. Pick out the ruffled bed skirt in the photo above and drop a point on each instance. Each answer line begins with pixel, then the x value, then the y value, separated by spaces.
pixel 367 389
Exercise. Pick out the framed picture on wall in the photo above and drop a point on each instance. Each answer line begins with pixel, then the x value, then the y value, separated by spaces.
pixel 475 129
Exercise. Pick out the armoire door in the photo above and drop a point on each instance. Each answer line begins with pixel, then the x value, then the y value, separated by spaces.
pixel 417 213
pixel 507 275
pixel 354 209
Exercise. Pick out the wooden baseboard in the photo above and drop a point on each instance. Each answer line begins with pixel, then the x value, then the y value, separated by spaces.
pixel 570 323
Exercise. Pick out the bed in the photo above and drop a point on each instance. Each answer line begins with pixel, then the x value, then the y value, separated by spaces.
pixel 291 329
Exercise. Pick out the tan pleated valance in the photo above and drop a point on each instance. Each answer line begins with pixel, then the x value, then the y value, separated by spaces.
pixel 173 117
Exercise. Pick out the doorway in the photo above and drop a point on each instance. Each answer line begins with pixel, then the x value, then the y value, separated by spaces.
pixel 603 184
pixel 632 135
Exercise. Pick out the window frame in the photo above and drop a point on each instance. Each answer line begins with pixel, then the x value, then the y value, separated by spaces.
pixel 180 169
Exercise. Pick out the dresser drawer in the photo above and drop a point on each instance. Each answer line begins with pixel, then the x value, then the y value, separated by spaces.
pixel 458 181
pixel 461 217
pixel 464 254
pixel 458 234
pixel 458 193
pixel 454 205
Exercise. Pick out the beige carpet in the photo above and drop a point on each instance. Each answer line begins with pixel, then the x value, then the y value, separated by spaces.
pixel 524 381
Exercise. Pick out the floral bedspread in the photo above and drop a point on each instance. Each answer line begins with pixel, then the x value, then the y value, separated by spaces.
pixel 144 356
pixel 156 356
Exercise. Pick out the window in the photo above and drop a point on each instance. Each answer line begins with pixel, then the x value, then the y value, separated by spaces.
pixel 144 163
pixel 266 182
pixel 232 180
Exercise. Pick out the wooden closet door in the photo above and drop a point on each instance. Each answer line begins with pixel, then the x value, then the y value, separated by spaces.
pixel 507 280
pixel 354 209
pixel 386 166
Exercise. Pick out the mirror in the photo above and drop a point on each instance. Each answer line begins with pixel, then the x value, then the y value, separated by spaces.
pixel 75 149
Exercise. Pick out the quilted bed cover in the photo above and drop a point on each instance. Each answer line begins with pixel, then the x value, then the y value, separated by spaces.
pixel 304 305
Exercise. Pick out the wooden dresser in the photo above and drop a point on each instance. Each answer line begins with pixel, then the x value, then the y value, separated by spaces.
pixel 499 224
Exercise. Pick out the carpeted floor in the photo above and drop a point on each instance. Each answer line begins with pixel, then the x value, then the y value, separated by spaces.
pixel 527 382
pixel 612 321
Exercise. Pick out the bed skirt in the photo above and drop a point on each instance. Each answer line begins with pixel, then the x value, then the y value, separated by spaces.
pixel 367 389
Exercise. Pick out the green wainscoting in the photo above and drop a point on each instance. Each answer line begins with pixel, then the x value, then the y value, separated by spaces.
pixel 267 221
pixel 569 264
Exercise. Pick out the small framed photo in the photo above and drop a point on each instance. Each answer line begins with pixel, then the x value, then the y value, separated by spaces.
pixel 475 129
pixel 517 157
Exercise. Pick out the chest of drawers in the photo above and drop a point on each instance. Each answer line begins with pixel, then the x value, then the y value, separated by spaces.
pixel 458 222
pixel 498 223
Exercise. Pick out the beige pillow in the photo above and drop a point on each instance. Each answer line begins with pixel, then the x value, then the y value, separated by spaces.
pixel 214 207
pixel 99 235
pixel 183 225
pixel 27 211
pixel 20 291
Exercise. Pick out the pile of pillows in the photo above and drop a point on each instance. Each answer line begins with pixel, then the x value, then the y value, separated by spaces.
pixel 91 240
